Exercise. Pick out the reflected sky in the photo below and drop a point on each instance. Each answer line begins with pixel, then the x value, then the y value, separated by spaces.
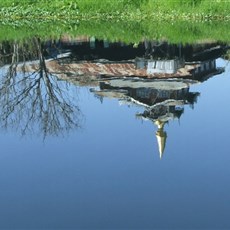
pixel 108 174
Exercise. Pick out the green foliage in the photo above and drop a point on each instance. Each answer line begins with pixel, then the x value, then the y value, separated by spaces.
pixel 125 31
pixel 127 20
pixel 115 7
pixel 213 7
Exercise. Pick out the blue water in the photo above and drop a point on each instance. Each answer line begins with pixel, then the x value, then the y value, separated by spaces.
pixel 108 174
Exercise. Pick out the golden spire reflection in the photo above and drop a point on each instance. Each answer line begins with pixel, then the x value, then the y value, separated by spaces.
pixel 161 136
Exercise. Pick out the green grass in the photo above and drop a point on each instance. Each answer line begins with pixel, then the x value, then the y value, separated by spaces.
pixel 129 31
pixel 126 20
pixel 123 9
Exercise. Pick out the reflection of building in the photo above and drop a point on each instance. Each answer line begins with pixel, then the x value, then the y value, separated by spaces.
pixel 164 66
pixel 161 105
pixel 154 75
pixel 160 84
pixel 168 66
pixel 84 59
pixel 200 70
pixel 161 137
pixel 160 115
pixel 90 57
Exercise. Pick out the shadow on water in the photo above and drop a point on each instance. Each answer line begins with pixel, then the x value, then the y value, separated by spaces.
pixel 154 75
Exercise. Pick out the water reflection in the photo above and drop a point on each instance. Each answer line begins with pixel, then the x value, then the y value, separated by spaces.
pixel 88 57
pixel 165 90
pixel 154 75
pixel 160 105
pixel 34 101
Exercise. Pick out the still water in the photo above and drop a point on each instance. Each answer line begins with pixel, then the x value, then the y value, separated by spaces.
pixel 111 155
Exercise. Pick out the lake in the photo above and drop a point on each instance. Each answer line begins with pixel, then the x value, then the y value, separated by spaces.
pixel 108 135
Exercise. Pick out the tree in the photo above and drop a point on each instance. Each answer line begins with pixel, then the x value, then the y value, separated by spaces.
pixel 34 101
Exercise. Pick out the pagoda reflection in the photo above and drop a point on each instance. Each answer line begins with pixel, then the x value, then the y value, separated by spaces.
pixel 161 105
pixel 161 83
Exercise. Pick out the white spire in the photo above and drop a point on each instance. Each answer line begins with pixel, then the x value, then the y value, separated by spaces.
pixel 161 136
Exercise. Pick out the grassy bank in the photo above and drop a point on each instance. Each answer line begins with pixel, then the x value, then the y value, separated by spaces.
pixel 114 9
pixel 129 32
pixel 127 20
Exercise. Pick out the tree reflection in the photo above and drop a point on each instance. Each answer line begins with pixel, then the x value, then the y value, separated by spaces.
pixel 35 101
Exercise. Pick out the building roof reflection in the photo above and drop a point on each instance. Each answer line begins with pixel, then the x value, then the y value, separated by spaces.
pixel 147 59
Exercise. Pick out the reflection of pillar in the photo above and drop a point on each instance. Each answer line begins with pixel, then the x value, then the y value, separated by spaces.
pixel 161 136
